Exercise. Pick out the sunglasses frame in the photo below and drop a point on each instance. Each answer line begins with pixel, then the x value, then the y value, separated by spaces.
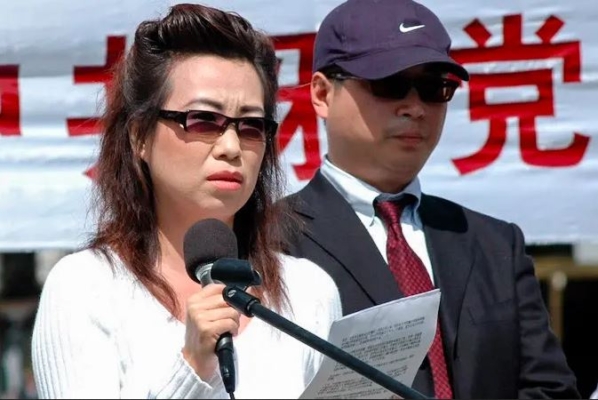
pixel 415 83
pixel 181 117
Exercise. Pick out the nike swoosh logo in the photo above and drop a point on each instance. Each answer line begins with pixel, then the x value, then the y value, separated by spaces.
pixel 406 29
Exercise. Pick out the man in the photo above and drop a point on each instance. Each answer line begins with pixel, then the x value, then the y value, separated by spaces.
pixel 382 79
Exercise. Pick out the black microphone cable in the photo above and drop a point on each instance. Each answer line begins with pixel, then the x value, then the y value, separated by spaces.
pixel 226 361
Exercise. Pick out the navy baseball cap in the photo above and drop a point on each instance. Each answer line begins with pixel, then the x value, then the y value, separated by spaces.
pixel 373 39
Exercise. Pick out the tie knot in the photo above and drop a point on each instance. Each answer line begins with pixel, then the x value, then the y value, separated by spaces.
pixel 390 210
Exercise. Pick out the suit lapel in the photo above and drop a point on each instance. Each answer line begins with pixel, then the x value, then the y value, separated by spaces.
pixel 336 228
pixel 452 255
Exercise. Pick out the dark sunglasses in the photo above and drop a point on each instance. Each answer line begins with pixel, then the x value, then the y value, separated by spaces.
pixel 210 125
pixel 431 89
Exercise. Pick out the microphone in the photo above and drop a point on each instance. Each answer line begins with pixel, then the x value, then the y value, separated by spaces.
pixel 206 242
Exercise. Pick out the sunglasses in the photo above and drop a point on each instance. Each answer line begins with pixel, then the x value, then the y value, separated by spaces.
pixel 431 89
pixel 210 125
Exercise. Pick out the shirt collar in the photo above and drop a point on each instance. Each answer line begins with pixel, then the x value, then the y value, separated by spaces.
pixel 360 195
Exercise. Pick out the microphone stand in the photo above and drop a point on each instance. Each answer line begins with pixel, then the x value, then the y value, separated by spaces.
pixel 250 306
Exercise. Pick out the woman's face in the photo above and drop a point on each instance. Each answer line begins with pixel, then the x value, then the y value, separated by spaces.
pixel 203 172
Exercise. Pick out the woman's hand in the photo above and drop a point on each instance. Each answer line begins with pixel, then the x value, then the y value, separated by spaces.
pixel 208 317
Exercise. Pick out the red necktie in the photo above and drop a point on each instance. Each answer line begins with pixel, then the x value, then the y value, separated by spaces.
pixel 412 278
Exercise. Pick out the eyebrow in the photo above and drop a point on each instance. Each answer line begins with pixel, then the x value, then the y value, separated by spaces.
pixel 220 107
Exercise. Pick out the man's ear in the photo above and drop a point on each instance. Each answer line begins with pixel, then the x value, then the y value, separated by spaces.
pixel 322 90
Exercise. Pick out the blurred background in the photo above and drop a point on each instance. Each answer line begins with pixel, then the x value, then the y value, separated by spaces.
pixel 520 140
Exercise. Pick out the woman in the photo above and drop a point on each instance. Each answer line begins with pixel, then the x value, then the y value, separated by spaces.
pixel 189 135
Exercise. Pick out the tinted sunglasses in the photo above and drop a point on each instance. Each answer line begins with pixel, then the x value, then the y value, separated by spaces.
pixel 210 125
pixel 431 89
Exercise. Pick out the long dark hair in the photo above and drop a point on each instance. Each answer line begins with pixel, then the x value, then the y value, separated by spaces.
pixel 127 222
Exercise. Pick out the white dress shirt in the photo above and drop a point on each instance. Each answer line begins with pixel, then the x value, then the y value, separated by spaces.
pixel 361 197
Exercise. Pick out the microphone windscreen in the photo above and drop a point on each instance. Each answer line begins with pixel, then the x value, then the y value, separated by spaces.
pixel 207 241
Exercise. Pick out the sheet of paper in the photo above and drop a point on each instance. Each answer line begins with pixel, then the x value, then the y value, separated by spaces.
pixel 393 337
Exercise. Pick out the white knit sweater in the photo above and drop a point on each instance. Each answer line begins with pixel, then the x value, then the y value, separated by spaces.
pixel 100 334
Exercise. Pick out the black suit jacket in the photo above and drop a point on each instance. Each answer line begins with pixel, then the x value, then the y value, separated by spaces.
pixel 496 333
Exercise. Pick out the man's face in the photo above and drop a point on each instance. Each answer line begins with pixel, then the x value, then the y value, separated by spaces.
pixel 382 141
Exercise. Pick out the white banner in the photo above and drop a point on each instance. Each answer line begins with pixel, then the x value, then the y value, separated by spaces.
pixel 520 140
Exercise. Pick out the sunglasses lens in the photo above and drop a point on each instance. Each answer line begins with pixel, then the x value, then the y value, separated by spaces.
pixel 205 123
pixel 394 87
pixel 252 129
pixel 436 90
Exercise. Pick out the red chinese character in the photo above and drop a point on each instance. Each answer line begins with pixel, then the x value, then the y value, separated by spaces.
pixel 513 49
pixel 96 74
pixel 301 115
pixel 10 115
